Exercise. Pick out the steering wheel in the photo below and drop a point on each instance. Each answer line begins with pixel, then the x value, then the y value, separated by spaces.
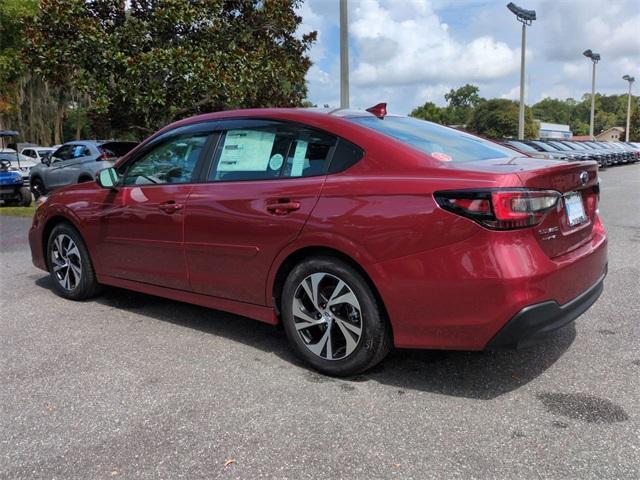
pixel 5 163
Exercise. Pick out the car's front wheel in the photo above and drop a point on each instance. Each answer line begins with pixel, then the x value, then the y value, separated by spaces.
pixel 69 263
pixel 37 187
pixel 332 317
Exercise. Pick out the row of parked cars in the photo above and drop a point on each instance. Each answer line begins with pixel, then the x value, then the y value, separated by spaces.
pixel 605 153
pixel 43 169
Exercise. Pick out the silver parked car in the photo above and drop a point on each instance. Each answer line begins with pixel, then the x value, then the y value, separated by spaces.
pixel 75 162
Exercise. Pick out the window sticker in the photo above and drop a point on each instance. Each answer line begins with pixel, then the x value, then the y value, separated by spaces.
pixel 246 151
pixel 298 163
pixel 443 157
pixel 276 162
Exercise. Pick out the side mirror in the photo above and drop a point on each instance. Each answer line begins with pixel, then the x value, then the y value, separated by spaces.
pixel 107 178
pixel 46 160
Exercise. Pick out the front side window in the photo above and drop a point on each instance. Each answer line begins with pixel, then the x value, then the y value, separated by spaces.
pixel 264 153
pixel 171 162
pixel 442 143
pixel 63 153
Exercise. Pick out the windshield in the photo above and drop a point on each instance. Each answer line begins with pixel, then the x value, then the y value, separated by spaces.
pixel 546 147
pixel 522 146
pixel 12 157
pixel 560 146
pixel 576 146
pixel 442 143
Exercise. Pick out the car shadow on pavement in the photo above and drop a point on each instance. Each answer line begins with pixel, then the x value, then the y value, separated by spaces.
pixel 476 375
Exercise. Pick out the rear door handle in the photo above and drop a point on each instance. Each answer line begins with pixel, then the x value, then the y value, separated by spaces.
pixel 283 207
pixel 170 207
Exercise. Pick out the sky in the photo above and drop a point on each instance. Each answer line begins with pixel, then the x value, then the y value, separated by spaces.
pixel 408 52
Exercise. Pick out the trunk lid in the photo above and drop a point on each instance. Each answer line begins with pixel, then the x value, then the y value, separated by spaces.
pixel 556 234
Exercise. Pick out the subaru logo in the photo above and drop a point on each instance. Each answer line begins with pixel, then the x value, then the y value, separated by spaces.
pixel 584 178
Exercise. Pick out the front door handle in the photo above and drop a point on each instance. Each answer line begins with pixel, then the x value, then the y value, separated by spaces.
pixel 283 207
pixel 170 207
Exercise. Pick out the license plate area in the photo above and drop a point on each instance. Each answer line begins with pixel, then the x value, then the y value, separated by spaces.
pixel 574 207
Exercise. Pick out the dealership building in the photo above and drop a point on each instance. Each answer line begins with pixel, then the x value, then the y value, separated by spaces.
pixel 554 131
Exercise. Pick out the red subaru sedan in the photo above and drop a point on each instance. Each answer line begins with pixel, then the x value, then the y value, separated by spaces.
pixel 355 230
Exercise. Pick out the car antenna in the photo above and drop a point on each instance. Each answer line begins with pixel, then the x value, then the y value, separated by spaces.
pixel 379 110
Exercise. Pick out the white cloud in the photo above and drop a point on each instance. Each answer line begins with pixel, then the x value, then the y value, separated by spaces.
pixel 407 52
pixel 406 43
pixel 513 94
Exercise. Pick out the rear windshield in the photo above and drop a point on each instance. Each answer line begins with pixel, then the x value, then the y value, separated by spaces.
pixel 445 144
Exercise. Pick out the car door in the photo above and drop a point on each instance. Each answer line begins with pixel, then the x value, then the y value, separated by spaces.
pixel 264 181
pixel 62 170
pixel 140 226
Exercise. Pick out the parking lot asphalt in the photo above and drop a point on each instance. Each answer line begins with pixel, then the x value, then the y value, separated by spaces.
pixel 135 386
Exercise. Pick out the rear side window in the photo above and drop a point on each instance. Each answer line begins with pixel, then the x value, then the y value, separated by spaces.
pixel 78 151
pixel 263 153
pixel 345 155
pixel 442 143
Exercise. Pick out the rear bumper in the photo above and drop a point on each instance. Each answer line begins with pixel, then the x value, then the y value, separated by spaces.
pixel 460 296
pixel 536 321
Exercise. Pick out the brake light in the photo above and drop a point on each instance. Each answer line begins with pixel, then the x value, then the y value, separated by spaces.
pixel 500 209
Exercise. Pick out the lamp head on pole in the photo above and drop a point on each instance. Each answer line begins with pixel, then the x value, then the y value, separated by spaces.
pixel 629 79
pixel 595 57
pixel 524 16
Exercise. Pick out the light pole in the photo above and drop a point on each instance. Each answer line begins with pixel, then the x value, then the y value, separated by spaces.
pixel 595 58
pixel 526 17
pixel 344 54
pixel 630 80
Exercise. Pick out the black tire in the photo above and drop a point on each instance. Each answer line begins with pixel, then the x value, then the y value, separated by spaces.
pixel 25 197
pixel 375 339
pixel 87 287
pixel 37 187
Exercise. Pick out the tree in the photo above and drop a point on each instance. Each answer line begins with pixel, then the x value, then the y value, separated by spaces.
pixel 498 118
pixel 460 104
pixel 142 64
pixel 429 111
pixel 466 96
pixel 14 14
pixel 553 111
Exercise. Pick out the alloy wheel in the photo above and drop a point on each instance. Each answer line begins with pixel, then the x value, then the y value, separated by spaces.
pixel 66 262
pixel 327 316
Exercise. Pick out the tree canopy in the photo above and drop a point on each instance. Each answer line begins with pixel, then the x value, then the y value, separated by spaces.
pixel 498 118
pixel 460 103
pixel 131 67
pixel 465 105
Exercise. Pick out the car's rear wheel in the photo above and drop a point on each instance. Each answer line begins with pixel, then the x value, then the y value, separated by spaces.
pixel 332 317
pixel 37 187
pixel 69 263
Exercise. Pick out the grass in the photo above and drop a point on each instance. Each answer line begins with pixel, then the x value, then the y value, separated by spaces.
pixel 18 211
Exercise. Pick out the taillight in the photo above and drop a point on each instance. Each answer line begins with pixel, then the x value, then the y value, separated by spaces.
pixel 500 209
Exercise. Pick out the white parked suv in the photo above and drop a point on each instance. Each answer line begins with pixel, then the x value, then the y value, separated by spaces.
pixel 38 153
